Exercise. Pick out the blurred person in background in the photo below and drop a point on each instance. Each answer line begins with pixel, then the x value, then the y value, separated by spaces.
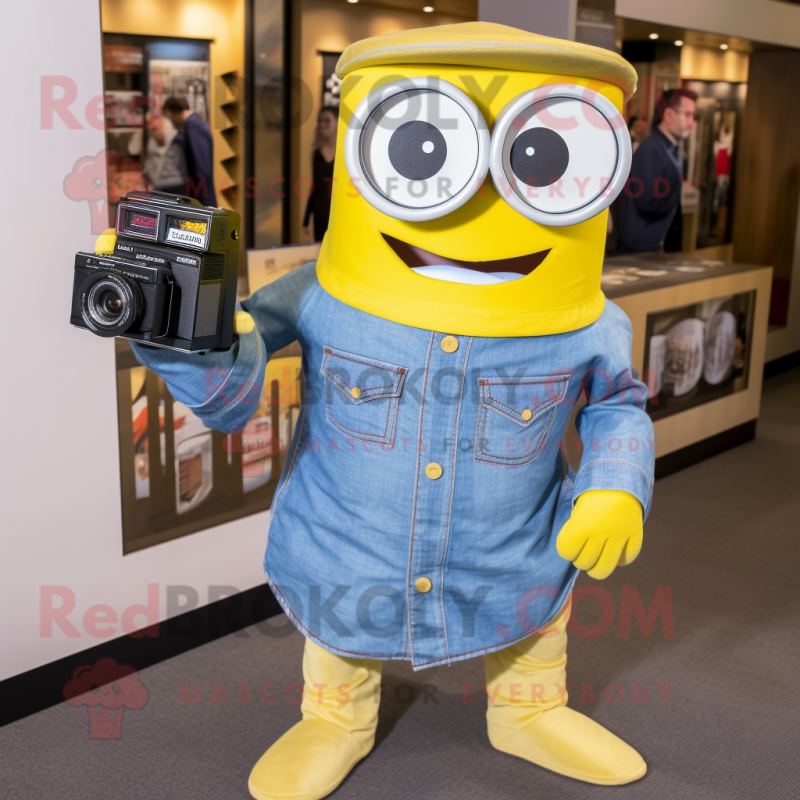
pixel 639 131
pixel 194 137
pixel 650 206
pixel 165 163
pixel 319 201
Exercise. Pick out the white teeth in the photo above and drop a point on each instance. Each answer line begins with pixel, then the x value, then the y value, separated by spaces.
pixel 508 276
pixel 453 274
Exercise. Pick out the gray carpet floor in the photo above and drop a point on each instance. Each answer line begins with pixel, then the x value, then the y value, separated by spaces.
pixel 723 535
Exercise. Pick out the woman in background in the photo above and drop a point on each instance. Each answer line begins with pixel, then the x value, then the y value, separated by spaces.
pixel 639 131
pixel 319 201
pixel 165 165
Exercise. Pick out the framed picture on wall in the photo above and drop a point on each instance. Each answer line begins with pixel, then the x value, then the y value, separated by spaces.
pixel 331 82
pixel 188 80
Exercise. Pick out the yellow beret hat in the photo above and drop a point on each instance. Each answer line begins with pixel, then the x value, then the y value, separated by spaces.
pixel 487 44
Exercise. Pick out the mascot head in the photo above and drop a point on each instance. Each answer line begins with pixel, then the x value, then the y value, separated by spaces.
pixel 475 165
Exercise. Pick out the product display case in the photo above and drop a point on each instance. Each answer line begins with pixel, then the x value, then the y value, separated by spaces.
pixel 699 336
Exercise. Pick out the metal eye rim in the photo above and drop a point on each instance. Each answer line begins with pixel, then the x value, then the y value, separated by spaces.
pixel 593 207
pixel 355 167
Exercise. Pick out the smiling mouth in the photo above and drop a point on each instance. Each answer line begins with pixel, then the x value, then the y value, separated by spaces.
pixel 456 270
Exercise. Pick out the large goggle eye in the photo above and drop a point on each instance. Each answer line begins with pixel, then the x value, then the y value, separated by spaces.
pixel 560 154
pixel 417 149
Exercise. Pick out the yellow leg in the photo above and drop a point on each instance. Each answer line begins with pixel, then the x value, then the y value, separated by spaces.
pixel 340 715
pixel 528 716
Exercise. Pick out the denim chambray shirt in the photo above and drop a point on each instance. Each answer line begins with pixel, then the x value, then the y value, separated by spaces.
pixel 420 455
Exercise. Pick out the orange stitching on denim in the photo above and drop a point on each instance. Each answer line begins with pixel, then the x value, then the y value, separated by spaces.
pixel 506 461
pixel 383 439
pixel 409 638
pixel 376 362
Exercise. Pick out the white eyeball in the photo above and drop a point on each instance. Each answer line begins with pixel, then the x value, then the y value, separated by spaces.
pixel 560 154
pixel 417 149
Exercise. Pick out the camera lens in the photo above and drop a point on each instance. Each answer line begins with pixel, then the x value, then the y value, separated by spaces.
pixel 110 303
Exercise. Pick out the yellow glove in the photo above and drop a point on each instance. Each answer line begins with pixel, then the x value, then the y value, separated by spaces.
pixel 603 532
pixel 104 244
pixel 242 322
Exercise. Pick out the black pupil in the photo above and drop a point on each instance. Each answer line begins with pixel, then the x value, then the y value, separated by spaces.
pixel 110 303
pixel 417 150
pixel 539 157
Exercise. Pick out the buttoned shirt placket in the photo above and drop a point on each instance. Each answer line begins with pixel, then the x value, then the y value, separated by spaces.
pixel 442 392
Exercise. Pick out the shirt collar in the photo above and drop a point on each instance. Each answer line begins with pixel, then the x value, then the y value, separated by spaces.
pixel 672 147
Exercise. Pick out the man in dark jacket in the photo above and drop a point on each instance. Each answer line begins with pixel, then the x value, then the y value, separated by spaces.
pixel 650 206
pixel 194 136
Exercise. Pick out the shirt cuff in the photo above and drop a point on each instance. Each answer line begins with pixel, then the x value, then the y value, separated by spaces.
pixel 616 475
pixel 232 397
pixel 222 388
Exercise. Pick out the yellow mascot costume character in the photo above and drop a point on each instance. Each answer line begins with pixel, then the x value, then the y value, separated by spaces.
pixel 451 323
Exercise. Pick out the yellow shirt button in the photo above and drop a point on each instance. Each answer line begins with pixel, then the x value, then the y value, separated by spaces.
pixel 449 344
pixel 423 585
pixel 355 392
pixel 433 471
pixel 527 414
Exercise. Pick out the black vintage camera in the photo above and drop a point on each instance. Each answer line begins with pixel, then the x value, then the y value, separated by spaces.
pixel 171 281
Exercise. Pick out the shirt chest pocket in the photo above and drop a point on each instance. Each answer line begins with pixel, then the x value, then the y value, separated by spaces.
pixel 361 395
pixel 515 416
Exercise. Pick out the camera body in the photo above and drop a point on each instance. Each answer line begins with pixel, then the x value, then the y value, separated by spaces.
pixel 171 280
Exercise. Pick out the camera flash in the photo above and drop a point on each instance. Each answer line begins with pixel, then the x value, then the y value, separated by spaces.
pixel 189 225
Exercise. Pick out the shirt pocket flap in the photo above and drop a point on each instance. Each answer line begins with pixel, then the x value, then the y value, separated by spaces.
pixel 360 378
pixel 523 400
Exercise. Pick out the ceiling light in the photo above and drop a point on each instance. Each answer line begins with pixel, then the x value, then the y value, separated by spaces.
pixel 679 43
pixel 428 9
pixel 352 1
pixel 723 47
pixel 654 36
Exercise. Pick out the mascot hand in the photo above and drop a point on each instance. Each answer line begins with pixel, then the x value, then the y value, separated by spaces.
pixel 104 244
pixel 242 323
pixel 603 532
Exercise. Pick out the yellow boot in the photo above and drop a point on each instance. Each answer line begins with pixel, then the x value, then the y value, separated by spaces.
pixel 528 716
pixel 340 715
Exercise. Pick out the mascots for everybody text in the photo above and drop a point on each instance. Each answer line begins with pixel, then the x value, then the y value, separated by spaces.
pixel 450 325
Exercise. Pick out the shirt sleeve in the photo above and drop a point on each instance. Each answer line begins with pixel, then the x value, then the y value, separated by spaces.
pixel 615 430
pixel 223 388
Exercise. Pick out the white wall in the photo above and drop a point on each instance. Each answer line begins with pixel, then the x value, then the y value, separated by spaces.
pixel 60 504
pixel 769 21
